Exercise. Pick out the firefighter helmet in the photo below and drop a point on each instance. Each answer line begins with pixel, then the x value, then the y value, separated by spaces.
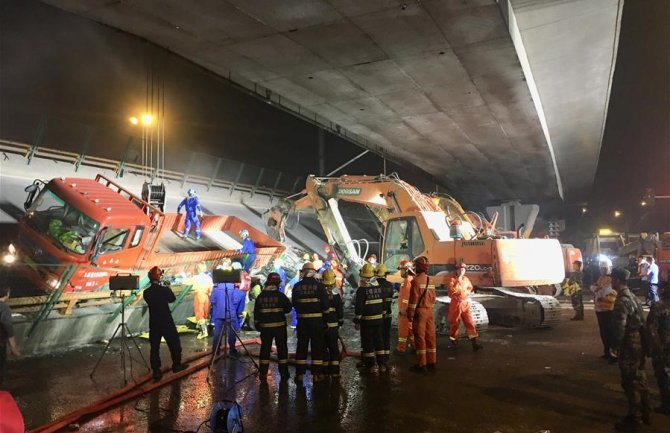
pixel 367 271
pixel 328 277
pixel 308 266
pixel 461 265
pixel 381 270
pixel 244 233
pixel 421 264
pixel 155 273
pixel 273 279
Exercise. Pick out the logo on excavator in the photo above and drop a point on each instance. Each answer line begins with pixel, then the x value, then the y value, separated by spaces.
pixel 478 268
pixel 348 191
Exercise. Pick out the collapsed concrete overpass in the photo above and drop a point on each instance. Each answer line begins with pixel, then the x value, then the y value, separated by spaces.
pixel 494 99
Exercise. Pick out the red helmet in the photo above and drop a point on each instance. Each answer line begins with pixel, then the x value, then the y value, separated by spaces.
pixel 461 265
pixel 421 264
pixel 155 273
pixel 273 279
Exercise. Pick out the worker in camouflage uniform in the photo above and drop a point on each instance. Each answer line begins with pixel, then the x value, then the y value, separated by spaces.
pixel 658 324
pixel 628 340
pixel 572 287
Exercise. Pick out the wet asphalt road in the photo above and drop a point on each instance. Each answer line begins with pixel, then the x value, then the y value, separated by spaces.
pixel 524 381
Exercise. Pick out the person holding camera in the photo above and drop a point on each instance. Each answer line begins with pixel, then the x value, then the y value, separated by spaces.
pixel 161 324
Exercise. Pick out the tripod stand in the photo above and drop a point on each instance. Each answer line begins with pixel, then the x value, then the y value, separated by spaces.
pixel 223 335
pixel 125 347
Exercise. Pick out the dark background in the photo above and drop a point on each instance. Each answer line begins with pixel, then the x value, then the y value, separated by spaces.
pixel 78 74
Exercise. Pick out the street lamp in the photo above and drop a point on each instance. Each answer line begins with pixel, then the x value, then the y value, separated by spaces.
pixel 643 203
pixel 584 210
pixel 617 213
pixel 134 120
pixel 147 119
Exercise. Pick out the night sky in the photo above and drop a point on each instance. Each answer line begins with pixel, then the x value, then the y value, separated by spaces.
pixel 80 74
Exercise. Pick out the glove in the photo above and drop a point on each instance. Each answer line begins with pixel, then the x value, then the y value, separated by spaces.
pixel 340 323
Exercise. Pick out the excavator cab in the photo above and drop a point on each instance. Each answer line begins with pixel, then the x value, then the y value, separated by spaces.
pixel 402 241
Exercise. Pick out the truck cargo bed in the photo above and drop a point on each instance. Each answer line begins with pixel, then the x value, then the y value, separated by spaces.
pixel 173 242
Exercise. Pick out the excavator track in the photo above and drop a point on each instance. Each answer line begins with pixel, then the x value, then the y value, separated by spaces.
pixel 479 315
pixel 510 308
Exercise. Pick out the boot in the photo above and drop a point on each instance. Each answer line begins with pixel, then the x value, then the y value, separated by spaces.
pixel 453 344
pixel 179 367
pixel 418 369
pixel 475 344
pixel 157 375
pixel 628 424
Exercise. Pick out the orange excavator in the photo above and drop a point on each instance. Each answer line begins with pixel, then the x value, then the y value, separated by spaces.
pixel 502 268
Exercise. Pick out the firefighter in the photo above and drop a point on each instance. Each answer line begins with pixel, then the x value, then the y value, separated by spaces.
pixel 404 325
pixel 311 304
pixel 270 312
pixel 658 323
pixel 459 291
pixel 161 324
pixel 334 319
pixel 193 213
pixel 227 310
pixel 369 313
pixel 387 293
pixel 248 250
pixel 339 276
pixel 202 290
pixel 420 316
pixel 627 338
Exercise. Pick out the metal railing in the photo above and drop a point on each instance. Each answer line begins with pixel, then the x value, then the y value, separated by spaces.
pixel 233 176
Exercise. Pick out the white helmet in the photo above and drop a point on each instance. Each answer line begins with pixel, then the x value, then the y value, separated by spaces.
pixel 191 192
pixel 244 233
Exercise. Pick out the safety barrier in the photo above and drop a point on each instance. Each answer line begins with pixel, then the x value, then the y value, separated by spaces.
pixel 122 167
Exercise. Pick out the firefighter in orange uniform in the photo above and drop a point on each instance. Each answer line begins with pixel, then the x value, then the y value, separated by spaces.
pixel 420 316
pixel 459 289
pixel 404 325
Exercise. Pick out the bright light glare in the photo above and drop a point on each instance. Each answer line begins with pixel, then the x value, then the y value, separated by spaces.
pixel 617 213
pixel 584 210
pixel 134 120
pixel 9 258
pixel 147 119
pixel 605 232
pixel 643 203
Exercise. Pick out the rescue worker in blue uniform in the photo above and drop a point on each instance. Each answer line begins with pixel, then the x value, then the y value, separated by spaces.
pixel 193 213
pixel 161 324
pixel 334 320
pixel 270 312
pixel 248 250
pixel 227 302
pixel 311 304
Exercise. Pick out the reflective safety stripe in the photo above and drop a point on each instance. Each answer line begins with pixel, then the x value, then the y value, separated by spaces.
pixel 307 300
pixel 301 361
pixel 334 362
pixel 264 361
pixel 368 354
pixel 405 301
pixel 375 317
pixel 331 310
pixel 380 352
pixel 333 325
pixel 272 325
pixel 271 310
pixel 283 361
pixel 402 339
pixel 317 362
pixel 309 315
pixel 412 305
pixel 431 350
pixel 358 317
pixel 421 351
pixel 373 301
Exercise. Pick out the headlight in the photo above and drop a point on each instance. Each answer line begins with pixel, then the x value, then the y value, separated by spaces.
pixel 53 282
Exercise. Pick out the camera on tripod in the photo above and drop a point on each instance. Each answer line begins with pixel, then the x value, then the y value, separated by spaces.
pixel 226 276
pixel 123 285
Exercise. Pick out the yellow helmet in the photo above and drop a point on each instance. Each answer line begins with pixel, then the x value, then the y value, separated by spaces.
pixel 328 277
pixel 308 266
pixel 367 271
pixel 381 270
